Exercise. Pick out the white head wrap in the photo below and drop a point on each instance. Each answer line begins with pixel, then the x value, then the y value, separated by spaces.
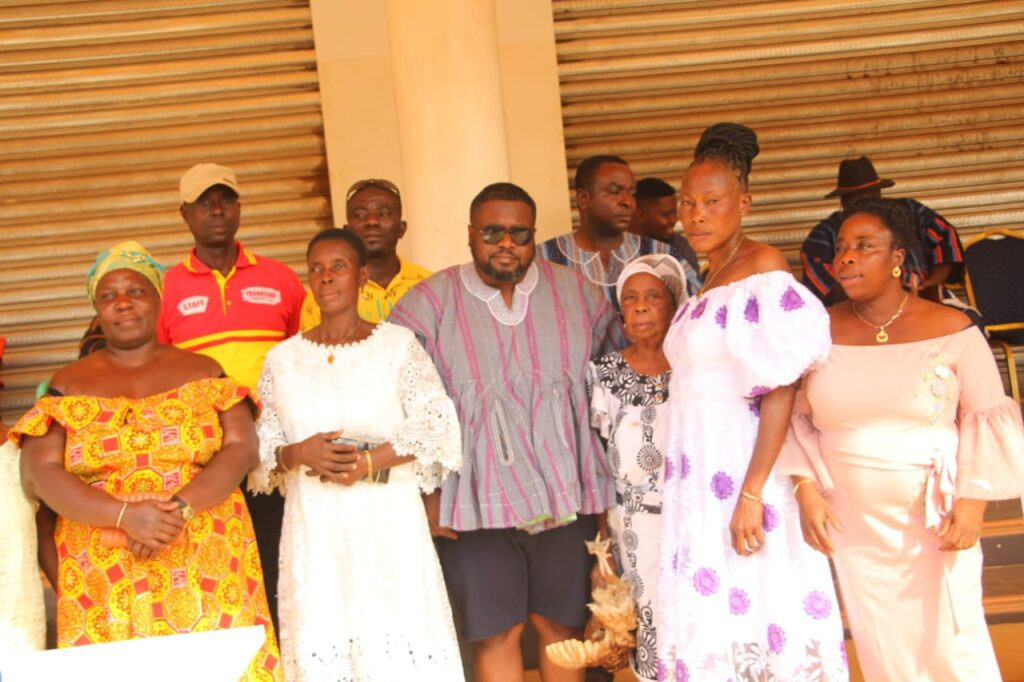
pixel 661 265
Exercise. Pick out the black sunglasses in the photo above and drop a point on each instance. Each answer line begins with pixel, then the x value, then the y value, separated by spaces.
pixel 494 234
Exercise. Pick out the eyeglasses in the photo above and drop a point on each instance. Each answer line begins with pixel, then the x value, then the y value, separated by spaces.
pixel 385 185
pixel 494 234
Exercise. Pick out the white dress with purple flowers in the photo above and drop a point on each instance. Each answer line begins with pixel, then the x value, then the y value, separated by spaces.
pixel 772 616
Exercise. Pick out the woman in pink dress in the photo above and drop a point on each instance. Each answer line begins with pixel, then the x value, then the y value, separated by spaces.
pixel 896 443
pixel 741 597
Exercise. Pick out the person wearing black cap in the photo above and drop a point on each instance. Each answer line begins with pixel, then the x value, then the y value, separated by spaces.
pixel 938 261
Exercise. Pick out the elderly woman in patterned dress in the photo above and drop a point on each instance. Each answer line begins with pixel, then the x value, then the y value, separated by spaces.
pixel 629 390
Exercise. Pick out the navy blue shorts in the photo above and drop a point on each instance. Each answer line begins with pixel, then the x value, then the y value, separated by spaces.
pixel 496 577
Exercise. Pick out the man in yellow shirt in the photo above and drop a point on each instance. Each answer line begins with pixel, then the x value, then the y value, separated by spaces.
pixel 373 210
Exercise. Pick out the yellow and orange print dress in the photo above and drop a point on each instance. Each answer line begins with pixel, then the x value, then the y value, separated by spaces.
pixel 210 578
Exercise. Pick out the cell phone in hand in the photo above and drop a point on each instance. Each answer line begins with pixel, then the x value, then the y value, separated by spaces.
pixel 380 476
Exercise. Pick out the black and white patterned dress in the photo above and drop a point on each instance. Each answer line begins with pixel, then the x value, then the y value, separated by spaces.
pixel 630 412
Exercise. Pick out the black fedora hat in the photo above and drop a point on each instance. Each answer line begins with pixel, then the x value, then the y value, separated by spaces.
pixel 857 175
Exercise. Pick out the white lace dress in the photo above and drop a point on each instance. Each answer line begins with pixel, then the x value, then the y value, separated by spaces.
pixel 361 596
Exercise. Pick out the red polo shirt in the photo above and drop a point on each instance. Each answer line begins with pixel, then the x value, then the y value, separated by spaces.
pixel 234 319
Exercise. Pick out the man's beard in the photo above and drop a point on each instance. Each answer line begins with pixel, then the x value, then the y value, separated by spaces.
pixel 514 275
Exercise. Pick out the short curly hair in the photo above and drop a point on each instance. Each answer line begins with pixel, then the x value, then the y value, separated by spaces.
pixel 896 218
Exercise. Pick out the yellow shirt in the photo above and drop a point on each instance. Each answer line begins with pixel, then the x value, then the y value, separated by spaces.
pixel 375 301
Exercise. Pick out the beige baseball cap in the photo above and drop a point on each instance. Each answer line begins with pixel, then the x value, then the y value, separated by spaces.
pixel 202 176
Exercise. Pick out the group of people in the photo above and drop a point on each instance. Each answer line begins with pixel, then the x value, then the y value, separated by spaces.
pixel 445 443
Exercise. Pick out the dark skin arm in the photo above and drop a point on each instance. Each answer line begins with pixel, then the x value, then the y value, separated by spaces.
pixel 337 462
pixel 432 503
pixel 154 524
pixel 238 455
pixel 745 527
pixel 46 522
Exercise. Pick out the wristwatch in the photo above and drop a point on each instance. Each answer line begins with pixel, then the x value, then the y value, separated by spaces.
pixel 187 512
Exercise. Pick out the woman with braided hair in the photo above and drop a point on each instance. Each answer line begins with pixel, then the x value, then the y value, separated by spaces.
pixel 741 597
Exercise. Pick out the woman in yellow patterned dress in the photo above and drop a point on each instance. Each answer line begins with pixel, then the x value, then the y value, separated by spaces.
pixel 140 448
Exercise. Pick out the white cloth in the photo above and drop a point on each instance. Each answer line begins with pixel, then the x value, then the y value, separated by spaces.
pixel 22 618
pixel 361 596
pixel 772 616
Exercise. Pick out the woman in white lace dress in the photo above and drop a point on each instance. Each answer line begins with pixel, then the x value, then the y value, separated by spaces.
pixel 361 595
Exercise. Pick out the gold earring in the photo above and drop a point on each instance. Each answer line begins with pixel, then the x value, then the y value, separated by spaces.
pixel 896 271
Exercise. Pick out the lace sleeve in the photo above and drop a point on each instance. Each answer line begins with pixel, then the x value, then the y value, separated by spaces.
pixel 430 430
pixel 265 477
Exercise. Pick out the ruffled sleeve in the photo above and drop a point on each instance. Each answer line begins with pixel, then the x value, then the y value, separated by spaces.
pixel 600 402
pixel 801 451
pixel 990 456
pixel 37 421
pixel 430 428
pixel 226 393
pixel 775 329
pixel 265 477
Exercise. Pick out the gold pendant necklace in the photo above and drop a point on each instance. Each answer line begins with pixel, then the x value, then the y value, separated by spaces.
pixel 882 336
pixel 728 260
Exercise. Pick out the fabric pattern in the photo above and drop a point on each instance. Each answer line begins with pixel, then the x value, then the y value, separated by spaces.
pixel 938 238
pixel 210 578
pixel 375 302
pixel 517 376
pixel 361 597
pixel 892 434
pixel 564 251
pixel 773 615
pixel 630 411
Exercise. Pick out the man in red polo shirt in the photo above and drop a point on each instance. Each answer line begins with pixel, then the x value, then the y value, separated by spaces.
pixel 232 305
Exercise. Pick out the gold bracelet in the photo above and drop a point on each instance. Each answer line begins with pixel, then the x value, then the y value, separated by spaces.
pixel 278 451
pixel 751 497
pixel 121 515
pixel 369 465
pixel 800 483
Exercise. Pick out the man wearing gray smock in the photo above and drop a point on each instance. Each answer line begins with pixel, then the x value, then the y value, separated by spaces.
pixel 511 338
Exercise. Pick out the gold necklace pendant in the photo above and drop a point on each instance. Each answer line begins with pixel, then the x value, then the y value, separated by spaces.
pixel 330 358
pixel 882 336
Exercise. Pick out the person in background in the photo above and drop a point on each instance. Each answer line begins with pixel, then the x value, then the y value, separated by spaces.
pixel 230 304
pixel 629 408
pixel 741 598
pixel 896 443
pixel 940 259
pixel 657 213
pixel 22 615
pixel 139 448
pixel 373 210
pixel 603 245
pixel 511 337
pixel 362 595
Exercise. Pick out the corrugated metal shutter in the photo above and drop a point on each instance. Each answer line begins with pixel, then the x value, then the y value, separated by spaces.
pixel 931 90
pixel 102 106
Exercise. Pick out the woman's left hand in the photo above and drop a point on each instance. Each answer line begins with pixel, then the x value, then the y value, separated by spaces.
pixel 962 526
pixel 747 531
pixel 353 468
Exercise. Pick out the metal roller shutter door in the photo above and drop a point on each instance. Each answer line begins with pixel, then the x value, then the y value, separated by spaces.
pixel 102 106
pixel 931 90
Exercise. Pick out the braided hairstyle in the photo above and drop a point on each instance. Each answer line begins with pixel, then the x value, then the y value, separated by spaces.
pixel 732 144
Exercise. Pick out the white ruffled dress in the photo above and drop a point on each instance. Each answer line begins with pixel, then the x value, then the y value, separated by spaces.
pixel 773 615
